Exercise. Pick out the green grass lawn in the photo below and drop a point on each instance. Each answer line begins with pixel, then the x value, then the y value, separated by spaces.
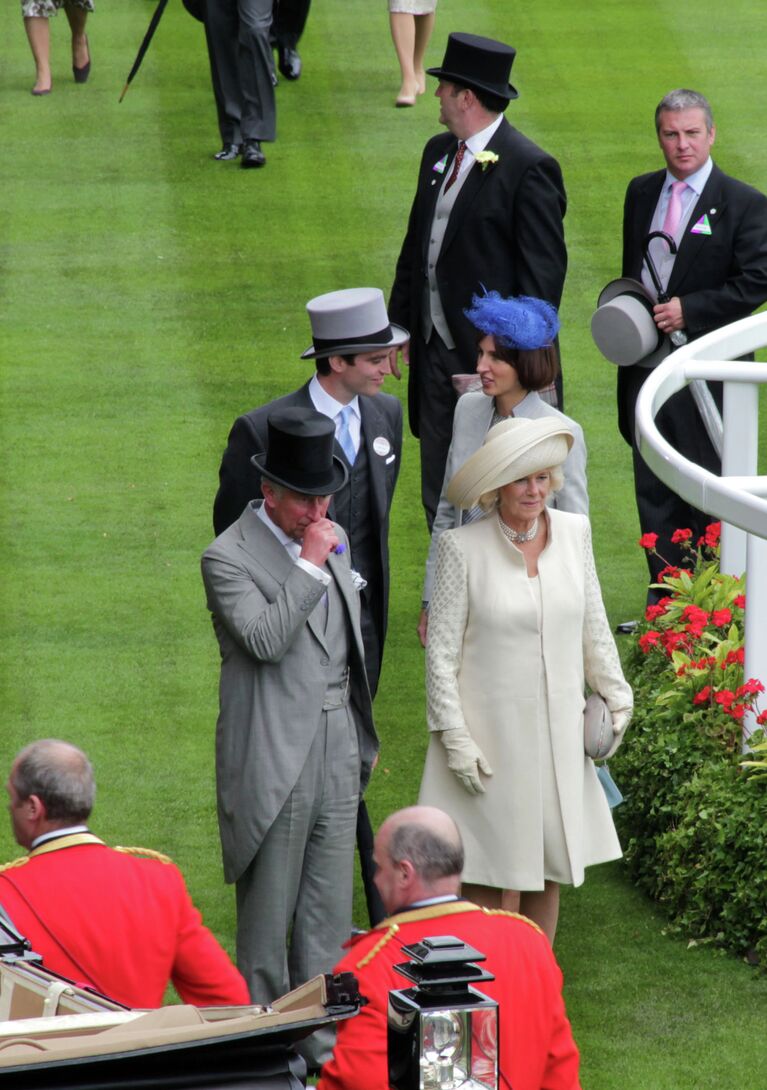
pixel 149 295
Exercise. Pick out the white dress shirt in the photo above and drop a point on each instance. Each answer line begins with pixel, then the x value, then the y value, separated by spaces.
pixel 659 251
pixel 328 406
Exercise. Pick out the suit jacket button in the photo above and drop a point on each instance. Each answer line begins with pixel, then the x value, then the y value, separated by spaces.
pixel 324 662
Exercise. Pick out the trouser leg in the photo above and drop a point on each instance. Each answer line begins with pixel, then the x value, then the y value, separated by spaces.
pixel 255 66
pixel 222 36
pixel 436 405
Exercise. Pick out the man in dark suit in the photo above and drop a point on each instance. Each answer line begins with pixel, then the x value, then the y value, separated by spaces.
pixel 488 210
pixel 352 348
pixel 718 275
pixel 289 21
pixel 242 70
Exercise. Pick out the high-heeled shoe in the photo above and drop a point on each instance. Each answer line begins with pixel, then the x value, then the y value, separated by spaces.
pixel 81 74
pixel 405 100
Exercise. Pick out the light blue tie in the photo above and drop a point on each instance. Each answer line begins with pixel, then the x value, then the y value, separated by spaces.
pixel 345 436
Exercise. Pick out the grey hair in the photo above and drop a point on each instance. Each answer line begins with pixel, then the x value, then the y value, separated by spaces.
pixel 60 775
pixel 432 855
pixel 488 500
pixel 684 99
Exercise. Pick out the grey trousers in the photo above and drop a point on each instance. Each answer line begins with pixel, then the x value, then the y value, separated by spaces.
pixel 241 60
pixel 294 902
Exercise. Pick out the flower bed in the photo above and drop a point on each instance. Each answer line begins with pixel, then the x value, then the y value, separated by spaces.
pixel 694 821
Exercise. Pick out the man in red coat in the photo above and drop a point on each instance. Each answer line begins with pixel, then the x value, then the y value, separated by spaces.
pixel 419 856
pixel 119 920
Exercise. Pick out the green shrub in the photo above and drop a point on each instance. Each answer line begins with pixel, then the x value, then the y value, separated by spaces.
pixel 694 821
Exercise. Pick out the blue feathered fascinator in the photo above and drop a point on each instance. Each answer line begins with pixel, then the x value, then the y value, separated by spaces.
pixel 516 322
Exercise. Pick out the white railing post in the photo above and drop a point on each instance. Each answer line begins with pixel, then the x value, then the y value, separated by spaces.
pixel 737 498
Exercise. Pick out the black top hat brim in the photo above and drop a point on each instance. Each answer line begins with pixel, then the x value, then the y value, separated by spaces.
pixel 398 336
pixel 508 92
pixel 326 487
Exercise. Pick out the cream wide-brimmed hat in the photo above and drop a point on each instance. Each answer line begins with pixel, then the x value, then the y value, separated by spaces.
pixel 512 449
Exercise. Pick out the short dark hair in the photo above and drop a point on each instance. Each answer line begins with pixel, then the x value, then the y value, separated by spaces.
pixel 433 856
pixel 494 104
pixel 60 775
pixel 536 367
pixel 323 362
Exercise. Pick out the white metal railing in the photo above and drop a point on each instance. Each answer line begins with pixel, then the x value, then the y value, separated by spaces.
pixel 739 496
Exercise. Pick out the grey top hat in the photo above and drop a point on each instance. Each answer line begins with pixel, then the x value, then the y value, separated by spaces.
pixel 623 326
pixel 300 453
pixel 481 63
pixel 349 321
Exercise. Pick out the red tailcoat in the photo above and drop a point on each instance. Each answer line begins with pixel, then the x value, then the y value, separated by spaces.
pixel 117 922
pixel 536 1046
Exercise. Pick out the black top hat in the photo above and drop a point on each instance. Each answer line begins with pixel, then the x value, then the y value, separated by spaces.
pixel 300 453
pixel 477 62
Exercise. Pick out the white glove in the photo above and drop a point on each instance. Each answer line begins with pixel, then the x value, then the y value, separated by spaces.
pixel 621 719
pixel 465 759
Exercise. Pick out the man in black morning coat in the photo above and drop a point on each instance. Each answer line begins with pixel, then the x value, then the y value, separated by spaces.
pixel 718 275
pixel 488 211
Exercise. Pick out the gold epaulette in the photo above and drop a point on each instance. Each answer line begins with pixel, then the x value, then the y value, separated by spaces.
pixel 14 863
pixel 147 853
pixel 392 931
pixel 513 916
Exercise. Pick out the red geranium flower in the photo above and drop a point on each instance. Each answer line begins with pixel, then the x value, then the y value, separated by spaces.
pixel 672 639
pixel 653 612
pixel 724 697
pixel 703 696
pixel 761 719
pixel 669 572
pixel 679 536
pixel 648 640
pixel 711 537
pixel 737 711
pixel 647 541
pixel 751 686
pixel 739 601
pixel 721 617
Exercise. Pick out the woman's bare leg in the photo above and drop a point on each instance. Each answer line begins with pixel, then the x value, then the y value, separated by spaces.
pixel 39 36
pixel 542 907
pixel 77 18
pixel 404 36
pixel 424 24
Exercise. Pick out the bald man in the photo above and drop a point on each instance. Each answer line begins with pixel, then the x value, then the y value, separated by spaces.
pixel 119 920
pixel 419 856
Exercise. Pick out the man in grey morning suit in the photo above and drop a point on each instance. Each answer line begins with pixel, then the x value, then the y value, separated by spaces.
pixel 295 740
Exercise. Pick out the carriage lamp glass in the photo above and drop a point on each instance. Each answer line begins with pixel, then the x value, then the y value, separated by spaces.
pixel 443 1033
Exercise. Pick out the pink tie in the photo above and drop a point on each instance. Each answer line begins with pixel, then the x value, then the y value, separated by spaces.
pixel 456 164
pixel 674 210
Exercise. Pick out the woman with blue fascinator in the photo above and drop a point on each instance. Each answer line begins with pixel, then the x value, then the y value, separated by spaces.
pixel 515 359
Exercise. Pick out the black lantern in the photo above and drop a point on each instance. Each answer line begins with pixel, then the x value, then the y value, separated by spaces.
pixel 443 1033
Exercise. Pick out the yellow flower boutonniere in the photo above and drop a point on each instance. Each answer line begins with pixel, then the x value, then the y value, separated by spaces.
pixel 486 159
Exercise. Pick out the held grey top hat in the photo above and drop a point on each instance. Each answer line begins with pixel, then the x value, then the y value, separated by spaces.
pixel 623 326
pixel 300 453
pixel 480 63
pixel 349 321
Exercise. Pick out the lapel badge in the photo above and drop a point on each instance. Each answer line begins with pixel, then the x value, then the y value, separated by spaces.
pixel 702 226
pixel 440 165
pixel 381 445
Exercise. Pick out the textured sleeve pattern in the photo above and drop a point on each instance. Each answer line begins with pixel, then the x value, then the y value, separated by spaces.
pixel 448 612
pixel 600 655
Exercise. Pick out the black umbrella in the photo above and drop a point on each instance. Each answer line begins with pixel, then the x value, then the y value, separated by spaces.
pixel 144 45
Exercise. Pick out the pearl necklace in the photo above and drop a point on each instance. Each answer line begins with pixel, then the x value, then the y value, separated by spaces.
pixel 516 536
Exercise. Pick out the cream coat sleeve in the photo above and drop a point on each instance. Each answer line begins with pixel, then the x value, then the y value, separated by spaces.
pixel 447 623
pixel 601 662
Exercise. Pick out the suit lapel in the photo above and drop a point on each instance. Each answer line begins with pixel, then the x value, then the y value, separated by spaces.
pixel 643 212
pixel 711 204
pixel 472 186
pixel 373 428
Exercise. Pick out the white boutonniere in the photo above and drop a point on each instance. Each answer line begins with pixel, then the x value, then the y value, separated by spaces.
pixel 357 581
pixel 486 159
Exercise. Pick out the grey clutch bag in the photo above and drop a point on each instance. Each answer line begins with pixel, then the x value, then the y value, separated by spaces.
pixel 597 727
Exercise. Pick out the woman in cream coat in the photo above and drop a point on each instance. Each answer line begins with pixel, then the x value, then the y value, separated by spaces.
pixel 517 625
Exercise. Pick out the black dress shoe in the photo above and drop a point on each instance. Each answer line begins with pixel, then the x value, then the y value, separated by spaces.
pixel 228 151
pixel 252 156
pixel 289 62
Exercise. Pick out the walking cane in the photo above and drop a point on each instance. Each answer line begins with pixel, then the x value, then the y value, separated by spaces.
pixel 704 402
